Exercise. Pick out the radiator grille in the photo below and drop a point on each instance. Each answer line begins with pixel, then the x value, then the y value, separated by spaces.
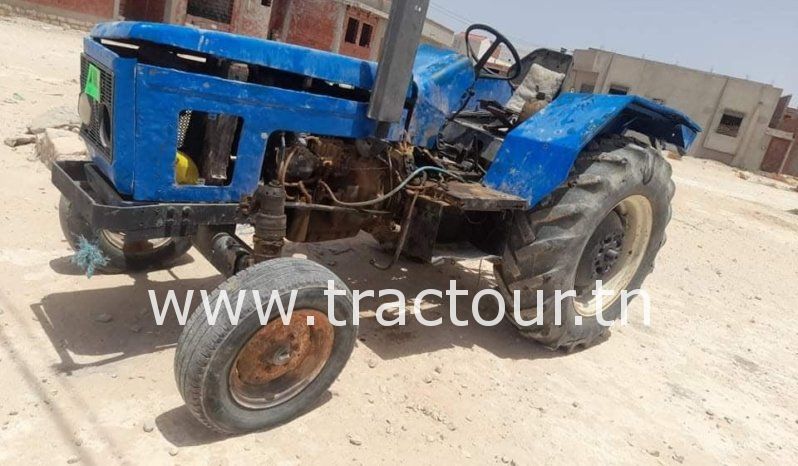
pixel 182 127
pixel 99 132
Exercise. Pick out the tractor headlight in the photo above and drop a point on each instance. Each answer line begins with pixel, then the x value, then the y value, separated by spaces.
pixel 84 109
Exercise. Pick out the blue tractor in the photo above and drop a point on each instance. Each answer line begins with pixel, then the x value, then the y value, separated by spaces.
pixel 194 132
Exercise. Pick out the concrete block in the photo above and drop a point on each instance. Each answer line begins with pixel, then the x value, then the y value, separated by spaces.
pixel 58 144
pixel 20 140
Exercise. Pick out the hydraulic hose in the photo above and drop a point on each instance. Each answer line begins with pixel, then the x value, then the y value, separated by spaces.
pixel 392 192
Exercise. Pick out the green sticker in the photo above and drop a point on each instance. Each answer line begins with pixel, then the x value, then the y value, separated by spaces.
pixel 92 87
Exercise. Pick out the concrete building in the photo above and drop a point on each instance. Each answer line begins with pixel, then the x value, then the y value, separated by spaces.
pixel 734 113
pixel 349 27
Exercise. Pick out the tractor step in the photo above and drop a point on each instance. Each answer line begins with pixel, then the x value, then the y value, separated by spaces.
pixel 478 198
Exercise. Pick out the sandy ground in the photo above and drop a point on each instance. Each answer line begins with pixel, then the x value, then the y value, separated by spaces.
pixel 713 380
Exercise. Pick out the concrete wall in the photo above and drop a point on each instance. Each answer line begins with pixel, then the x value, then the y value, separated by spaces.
pixel 437 34
pixel 704 96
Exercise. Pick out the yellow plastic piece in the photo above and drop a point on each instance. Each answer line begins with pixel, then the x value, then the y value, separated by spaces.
pixel 186 171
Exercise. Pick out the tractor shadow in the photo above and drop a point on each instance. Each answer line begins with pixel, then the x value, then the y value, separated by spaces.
pixel 179 427
pixel 106 325
pixel 352 266
pixel 64 265
pixel 101 326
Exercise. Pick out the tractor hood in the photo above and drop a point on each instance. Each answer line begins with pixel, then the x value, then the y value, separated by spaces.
pixel 318 64
pixel 440 77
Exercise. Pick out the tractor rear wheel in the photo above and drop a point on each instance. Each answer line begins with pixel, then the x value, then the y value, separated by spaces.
pixel 252 375
pixel 607 222
pixel 121 253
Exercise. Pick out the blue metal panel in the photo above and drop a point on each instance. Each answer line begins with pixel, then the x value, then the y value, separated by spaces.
pixel 161 94
pixel 491 89
pixel 120 169
pixel 442 78
pixel 537 155
pixel 148 101
pixel 308 62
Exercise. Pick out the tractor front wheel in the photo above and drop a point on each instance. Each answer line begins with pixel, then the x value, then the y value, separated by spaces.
pixel 607 223
pixel 265 369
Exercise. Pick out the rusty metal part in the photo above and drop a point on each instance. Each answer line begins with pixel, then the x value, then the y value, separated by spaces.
pixel 423 233
pixel 284 165
pixel 223 249
pixel 219 139
pixel 280 360
pixel 406 222
pixel 384 230
pixel 328 148
pixel 269 220
pixel 476 197
pixel 314 225
pixel 346 175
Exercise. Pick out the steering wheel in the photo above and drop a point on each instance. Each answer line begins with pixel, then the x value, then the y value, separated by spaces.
pixel 480 63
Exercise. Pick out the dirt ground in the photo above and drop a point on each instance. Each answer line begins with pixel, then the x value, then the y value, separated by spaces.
pixel 713 380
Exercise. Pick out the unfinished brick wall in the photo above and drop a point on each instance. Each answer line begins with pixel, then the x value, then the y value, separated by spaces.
pixel 360 33
pixel 251 18
pixel 328 25
pixel 279 9
pixel 100 9
pixel 312 23
pixel 774 159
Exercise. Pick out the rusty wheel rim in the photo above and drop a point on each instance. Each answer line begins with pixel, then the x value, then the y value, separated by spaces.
pixel 279 360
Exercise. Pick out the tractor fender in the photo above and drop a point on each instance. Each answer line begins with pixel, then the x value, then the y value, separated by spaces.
pixel 538 154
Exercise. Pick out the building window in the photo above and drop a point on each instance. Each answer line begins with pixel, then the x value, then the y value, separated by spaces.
pixel 365 35
pixel 215 10
pixel 659 101
pixel 351 31
pixel 618 90
pixel 730 124
pixel 587 88
pixel 266 2
pixel 358 33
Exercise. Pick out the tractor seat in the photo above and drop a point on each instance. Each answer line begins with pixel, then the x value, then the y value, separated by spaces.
pixel 539 80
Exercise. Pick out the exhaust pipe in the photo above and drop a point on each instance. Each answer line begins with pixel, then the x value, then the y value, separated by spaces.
pixel 405 24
